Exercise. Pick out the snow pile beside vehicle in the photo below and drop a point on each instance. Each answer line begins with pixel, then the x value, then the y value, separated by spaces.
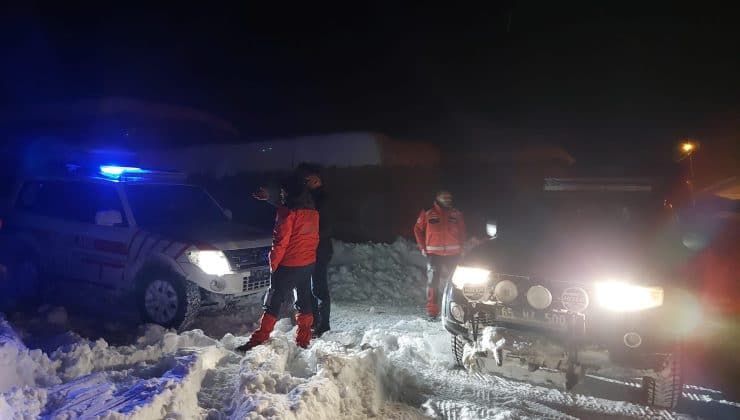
pixel 22 372
pixel 20 366
pixel 189 375
pixel 135 392
pixel 159 375
pixel 279 381
pixel 378 273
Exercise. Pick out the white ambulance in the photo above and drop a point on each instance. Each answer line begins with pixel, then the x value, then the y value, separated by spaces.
pixel 131 231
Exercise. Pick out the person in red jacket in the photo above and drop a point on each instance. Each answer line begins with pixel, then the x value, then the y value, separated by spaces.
pixel 292 260
pixel 440 235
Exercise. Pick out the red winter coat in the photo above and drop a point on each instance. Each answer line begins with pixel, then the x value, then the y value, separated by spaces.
pixel 295 238
pixel 440 231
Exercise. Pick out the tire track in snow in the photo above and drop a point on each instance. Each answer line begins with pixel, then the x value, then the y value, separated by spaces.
pixel 451 393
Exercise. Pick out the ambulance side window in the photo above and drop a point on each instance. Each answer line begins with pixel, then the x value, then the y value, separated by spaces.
pixel 42 198
pixel 86 199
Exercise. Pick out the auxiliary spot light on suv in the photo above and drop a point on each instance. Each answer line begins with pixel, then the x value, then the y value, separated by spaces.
pixel 624 297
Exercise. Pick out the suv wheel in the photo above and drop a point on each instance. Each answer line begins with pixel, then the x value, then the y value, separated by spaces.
pixel 169 300
pixel 458 346
pixel 665 387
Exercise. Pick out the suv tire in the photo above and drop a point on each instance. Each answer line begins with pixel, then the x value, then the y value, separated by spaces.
pixel 665 388
pixel 458 346
pixel 167 299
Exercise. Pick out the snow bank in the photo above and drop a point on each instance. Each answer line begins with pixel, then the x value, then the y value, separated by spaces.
pixel 392 274
pixel 22 403
pixel 20 366
pixel 158 376
pixel 84 357
pixel 22 372
pixel 166 389
pixel 277 380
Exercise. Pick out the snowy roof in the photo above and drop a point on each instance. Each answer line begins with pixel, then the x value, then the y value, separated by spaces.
pixel 341 149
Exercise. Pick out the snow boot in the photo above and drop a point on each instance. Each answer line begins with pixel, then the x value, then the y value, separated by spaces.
pixel 319 331
pixel 267 323
pixel 303 334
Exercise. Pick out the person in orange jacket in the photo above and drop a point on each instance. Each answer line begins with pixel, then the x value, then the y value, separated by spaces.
pixel 292 260
pixel 440 234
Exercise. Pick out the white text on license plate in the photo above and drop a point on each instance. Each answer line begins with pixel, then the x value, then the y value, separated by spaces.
pixel 474 292
pixel 551 319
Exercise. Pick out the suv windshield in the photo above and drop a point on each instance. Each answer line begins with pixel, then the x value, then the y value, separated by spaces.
pixel 165 204
pixel 621 211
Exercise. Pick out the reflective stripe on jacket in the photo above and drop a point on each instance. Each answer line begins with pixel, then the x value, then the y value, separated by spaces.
pixel 440 231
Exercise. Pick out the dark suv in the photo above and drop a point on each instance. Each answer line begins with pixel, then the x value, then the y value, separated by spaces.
pixel 584 277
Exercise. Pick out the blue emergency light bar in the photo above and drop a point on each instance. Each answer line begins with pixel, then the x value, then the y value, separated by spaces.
pixel 115 172
pixel 131 173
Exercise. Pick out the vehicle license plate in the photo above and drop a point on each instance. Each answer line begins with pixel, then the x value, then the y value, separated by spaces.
pixel 474 292
pixel 552 320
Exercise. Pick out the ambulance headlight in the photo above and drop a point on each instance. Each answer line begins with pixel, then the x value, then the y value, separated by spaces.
pixel 470 276
pixel 211 262
pixel 624 297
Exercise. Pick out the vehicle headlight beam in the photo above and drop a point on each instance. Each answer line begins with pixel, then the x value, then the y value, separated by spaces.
pixel 211 262
pixel 624 297
pixel 470 276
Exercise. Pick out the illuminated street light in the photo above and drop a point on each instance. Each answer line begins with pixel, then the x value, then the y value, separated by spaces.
pixel 688 148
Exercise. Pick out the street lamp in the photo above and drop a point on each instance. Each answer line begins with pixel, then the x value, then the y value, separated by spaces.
pixel 688 148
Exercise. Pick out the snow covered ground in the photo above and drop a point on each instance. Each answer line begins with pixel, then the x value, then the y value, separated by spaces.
pixel 381 360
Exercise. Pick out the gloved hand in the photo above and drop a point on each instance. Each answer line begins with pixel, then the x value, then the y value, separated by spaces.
pixel 262 194
pixel 313 181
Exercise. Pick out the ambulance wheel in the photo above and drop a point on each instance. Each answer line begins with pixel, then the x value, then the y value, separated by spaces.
pixel 167 299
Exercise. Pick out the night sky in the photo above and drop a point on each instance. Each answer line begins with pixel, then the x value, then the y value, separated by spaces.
pixel 595 78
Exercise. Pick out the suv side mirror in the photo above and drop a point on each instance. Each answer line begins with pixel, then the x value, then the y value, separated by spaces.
pixel 108 218
pixel 229 214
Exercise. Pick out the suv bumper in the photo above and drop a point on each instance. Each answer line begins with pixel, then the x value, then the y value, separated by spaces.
pixel 241 283
pixel 628 340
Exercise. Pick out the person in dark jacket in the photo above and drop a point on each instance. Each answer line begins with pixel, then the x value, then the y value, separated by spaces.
pixel 319 283
pixel 292 260
pixel 324 252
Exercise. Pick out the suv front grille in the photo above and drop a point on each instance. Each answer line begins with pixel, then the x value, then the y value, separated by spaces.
pixel 242 259
pixel 259 279
pixel 487 318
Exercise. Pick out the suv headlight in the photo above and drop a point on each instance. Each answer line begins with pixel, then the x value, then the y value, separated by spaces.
pixel 470 276
pixel 211 262
pixel 625 297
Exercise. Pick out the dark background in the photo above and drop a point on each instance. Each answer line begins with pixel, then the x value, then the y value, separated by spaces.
pixel 610 81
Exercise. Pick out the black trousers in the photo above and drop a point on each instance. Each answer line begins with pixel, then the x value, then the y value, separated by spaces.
pixel 440 270
pixel 320 286
pixel 289 280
